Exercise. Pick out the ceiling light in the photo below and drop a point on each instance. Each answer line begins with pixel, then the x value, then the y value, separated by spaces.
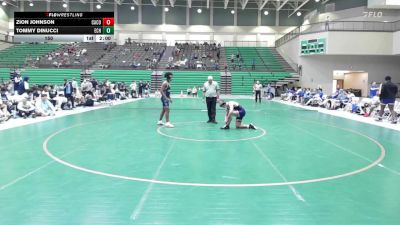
pixel 233 11
pixel 132 8
pixel 65 5
pixel 298 13
pixel 30 4
pixel 199 10
pixel 98 6
pixel 166 9
pixel 316 0
pixel 266 12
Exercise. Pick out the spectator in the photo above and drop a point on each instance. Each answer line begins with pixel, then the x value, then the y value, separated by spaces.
pixel 194 91
pixel 17 82
pixel 74 84
pixel 388 97
pixel 86 87
pixel 24 86
pixel 157 94
pixel 44 107
pixel 69 92
pixel 147 89
pixel 26 108
pixel 133 87
pixel 327 21
pixel 141 87
pixel 4 113
pixel 253 64
pixel 373 91
pixel 216 66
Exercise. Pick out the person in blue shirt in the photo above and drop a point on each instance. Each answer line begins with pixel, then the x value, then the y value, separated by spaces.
pixel 373 91
pixel 69 91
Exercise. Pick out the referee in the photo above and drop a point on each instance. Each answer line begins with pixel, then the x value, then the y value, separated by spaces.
pixel 211 92
pixel 257 90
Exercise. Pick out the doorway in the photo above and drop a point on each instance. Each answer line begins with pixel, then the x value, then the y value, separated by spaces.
pixel 355 82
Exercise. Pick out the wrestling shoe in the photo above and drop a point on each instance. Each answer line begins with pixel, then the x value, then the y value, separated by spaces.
pixel 225 127
pixel 252 127
pixel 169 125
pixel 160 123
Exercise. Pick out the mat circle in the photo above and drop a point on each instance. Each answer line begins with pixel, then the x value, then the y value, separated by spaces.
pixel 231 185
pixel 159 131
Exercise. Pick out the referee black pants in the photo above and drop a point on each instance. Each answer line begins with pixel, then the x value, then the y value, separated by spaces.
pixel 211 107
pixel 258 96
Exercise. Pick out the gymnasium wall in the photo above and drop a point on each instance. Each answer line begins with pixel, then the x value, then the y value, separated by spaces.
pixel 182 23
pixel 360 43
pixel 396 43
pixel 318 70
pixel 3 21
pixel 355 14
pixel 170 33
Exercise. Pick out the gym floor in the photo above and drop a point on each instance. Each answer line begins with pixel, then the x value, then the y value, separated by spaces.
pixel 116 166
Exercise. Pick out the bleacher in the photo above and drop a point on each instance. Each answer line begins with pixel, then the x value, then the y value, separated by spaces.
pixel 270 61
pixel 242 82
pixel 195 57
pixel 43 76
pixel 4 75
pixel 132 56
pixel 21 55
pixel 264 58
pixel 75 55
pixel 50 76
pixel 126 76
pixel 183 80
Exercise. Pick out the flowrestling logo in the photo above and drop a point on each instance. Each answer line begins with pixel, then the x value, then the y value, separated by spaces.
pixel 373 14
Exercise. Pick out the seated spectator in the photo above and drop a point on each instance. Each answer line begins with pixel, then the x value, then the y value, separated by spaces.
pixel 194 91
pixel 216 66
pixel 368 105
pixel 89 102
pixel 157 94
pixel 26 108
pixel 44 107
pixel 60 102
pixel 4 113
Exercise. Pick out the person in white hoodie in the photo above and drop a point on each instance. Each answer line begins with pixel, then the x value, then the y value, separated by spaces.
pixel 44 107
pixel 26 108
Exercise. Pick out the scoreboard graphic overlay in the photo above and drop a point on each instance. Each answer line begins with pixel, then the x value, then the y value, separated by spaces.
pixel 64 26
